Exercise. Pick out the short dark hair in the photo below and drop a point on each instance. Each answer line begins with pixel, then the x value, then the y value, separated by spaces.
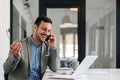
pixel 42 18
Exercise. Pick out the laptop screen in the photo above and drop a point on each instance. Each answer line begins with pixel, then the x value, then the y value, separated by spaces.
pixel 85 64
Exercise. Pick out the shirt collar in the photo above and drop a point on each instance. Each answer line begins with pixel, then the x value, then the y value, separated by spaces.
pixel 33 42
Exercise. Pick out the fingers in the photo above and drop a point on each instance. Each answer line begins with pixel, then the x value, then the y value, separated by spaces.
pixel 15 48
pixel 52 37
pixel 52 41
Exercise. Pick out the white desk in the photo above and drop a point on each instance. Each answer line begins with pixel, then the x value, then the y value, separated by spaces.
pixel 95 74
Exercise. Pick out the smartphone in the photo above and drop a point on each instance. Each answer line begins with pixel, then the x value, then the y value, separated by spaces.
pixel 48 38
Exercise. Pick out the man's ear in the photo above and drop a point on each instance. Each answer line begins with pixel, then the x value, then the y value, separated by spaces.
pixel 34 27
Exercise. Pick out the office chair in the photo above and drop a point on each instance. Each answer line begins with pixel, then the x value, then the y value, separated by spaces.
pixel 6 76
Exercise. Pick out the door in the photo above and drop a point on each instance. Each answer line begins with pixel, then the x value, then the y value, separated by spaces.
pixel 70 38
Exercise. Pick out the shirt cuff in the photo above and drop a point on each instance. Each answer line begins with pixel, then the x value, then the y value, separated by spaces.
pixel 53 49
pixel 17 58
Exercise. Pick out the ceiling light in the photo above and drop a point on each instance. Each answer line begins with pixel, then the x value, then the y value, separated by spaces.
pixel 74 9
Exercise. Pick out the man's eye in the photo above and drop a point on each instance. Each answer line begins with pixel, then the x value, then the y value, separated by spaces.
pixel 44 29
pixel 49 30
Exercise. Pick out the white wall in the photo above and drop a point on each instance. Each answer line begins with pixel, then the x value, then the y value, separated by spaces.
pixel 4 40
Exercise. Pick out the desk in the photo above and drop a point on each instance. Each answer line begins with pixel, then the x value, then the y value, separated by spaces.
pixel 95 74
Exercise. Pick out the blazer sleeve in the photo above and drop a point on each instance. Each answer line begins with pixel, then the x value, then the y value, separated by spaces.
pixel 11 63
pixel 54 60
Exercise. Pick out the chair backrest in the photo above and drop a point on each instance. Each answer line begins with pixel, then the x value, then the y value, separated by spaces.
pixel 6 76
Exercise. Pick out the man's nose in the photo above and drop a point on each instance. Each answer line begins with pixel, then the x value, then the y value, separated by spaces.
pixel 46 32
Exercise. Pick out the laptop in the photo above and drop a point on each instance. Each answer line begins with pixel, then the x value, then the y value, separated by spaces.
pixel 81 69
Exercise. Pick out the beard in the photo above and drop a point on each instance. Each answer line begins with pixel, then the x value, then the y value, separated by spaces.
pixel 38 38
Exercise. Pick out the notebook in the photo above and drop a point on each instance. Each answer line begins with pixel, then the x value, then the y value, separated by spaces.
pixel 81 69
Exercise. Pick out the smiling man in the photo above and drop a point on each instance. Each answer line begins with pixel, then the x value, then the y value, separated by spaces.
pixel 29 58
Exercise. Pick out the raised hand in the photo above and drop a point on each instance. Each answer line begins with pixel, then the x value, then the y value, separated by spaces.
pixel 15 47
pixel 52 41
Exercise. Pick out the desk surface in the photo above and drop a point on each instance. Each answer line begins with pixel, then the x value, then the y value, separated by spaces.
pixel 94 74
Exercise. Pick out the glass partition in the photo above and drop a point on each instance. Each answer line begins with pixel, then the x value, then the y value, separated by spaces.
pixel 101 32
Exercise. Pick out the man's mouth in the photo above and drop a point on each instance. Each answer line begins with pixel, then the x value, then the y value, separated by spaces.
pixel 44 36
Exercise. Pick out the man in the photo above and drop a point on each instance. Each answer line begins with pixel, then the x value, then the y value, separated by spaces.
pixel 29 58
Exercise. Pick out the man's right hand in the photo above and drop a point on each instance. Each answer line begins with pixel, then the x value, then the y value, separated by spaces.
pixel 15 47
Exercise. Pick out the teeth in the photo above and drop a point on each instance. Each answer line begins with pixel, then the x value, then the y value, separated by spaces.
pixel 44 36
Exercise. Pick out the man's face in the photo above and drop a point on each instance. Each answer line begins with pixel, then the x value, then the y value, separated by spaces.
pixel 43 31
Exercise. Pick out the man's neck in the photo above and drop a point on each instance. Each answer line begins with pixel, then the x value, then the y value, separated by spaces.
pixel 37 42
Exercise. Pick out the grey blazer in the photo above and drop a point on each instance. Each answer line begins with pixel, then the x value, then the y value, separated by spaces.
pixel 19 69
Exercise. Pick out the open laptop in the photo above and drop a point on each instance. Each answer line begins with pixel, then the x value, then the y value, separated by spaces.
pixel 81 69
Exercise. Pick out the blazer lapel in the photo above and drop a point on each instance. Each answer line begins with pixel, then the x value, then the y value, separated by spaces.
pixel 43 49
pixel 30 51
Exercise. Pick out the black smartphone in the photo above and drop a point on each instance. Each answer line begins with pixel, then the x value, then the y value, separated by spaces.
pixel 48 38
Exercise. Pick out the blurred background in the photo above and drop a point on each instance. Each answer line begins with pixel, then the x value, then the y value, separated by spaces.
pixel 99 36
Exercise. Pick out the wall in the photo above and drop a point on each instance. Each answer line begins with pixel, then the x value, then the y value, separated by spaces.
pixel 25 12
pixel 4 39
